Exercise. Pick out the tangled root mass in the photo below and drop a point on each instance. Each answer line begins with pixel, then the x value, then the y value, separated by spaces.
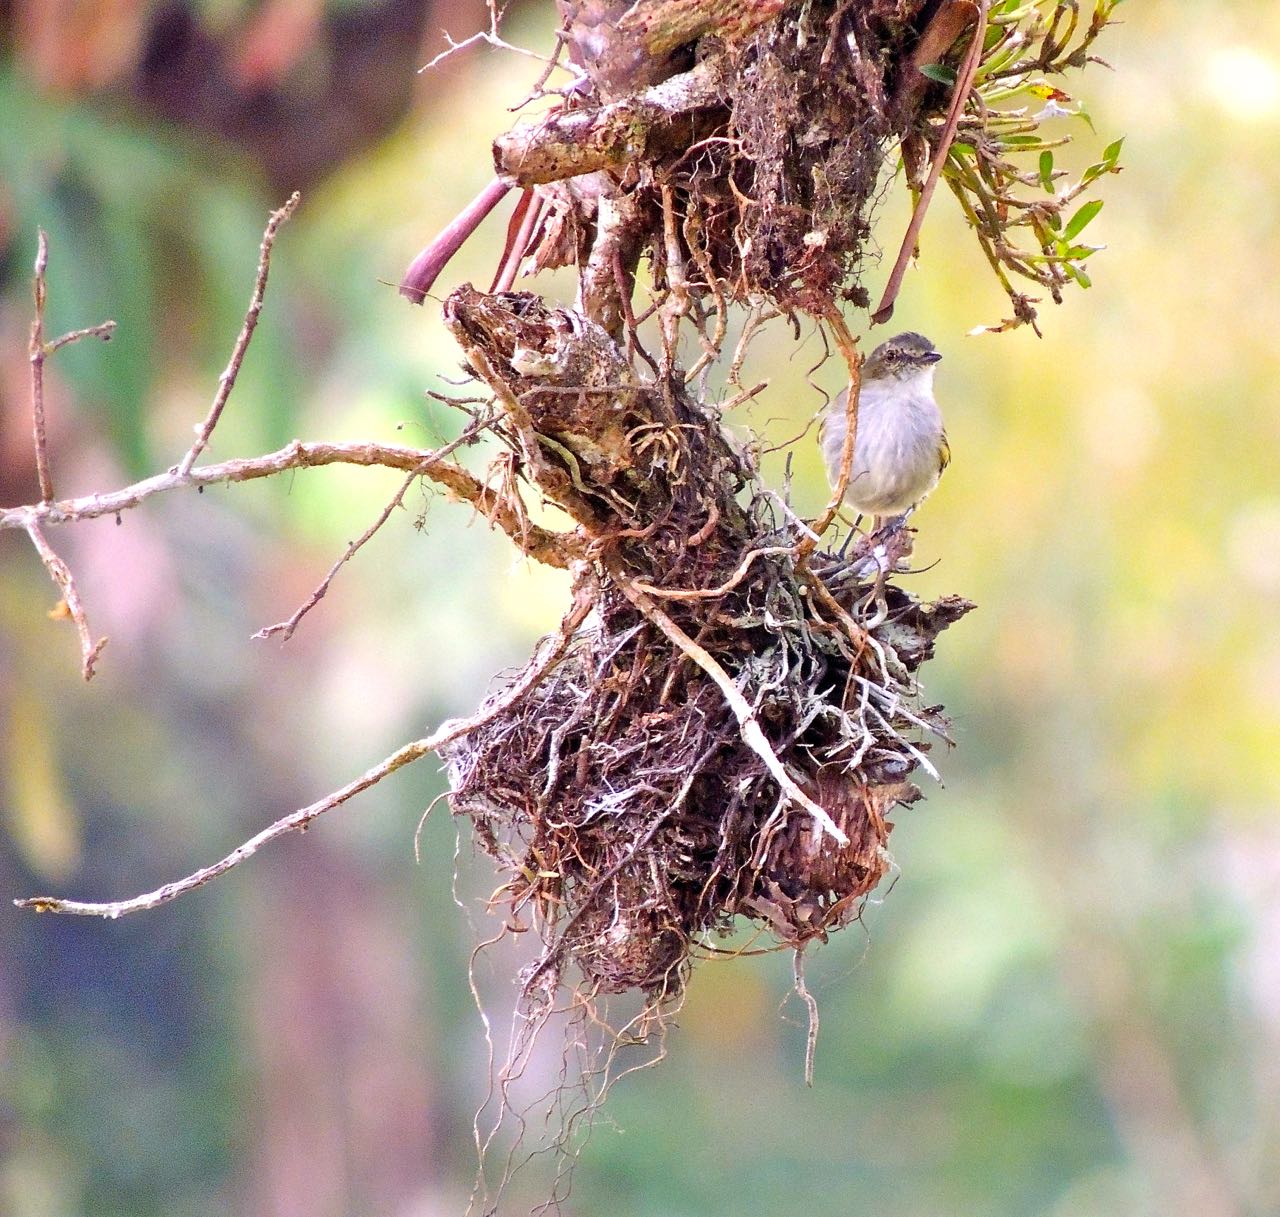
pixel 628 815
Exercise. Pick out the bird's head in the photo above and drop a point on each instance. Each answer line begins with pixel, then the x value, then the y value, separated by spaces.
pixel 902 357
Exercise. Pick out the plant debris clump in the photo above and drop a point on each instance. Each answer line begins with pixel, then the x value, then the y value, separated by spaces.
pixel 631 820
pixel 760 165
pixel 810 121
pixel 622 797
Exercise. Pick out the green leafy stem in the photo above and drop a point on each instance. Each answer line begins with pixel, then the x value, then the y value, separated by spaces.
pixel 1027 211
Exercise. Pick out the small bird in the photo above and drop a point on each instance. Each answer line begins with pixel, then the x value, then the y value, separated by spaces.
pixel 900 448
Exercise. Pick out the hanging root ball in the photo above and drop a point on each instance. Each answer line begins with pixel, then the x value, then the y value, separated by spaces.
pixel 631 820
pixel 756 170
pixel 634 796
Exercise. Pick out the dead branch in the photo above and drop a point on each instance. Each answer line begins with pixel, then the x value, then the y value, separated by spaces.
pixel 569 143
pixel 551 548
pixel 227 381
pixel 552 648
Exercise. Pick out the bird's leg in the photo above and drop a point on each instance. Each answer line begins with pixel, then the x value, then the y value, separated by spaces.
pixel 891 524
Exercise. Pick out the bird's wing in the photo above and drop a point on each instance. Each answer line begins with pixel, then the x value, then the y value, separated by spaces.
pixel 944 455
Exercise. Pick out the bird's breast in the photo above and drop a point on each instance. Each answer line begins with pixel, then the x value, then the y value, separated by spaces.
pixel 896 451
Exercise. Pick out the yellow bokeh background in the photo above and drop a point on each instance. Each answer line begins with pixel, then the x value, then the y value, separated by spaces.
pixel 1068 1000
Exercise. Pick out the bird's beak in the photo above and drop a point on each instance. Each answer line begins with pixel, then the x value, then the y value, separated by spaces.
pixel 932 357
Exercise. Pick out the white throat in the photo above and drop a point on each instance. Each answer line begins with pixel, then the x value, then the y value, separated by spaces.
pixel 919 380
pixel 916 385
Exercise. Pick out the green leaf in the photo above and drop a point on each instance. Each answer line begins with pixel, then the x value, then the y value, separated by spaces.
pixel 1079 276
pixel 1046 170
pixel 939 72
pixel 1075 226
pixel 1109 162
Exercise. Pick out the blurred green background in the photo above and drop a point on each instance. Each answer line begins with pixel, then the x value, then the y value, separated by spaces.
pixel 1069 1003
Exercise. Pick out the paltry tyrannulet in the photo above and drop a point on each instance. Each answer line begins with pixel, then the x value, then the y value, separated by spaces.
pixel 900 448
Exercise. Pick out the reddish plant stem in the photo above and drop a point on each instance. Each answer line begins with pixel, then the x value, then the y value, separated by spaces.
pixel 426 267
pixel 964 82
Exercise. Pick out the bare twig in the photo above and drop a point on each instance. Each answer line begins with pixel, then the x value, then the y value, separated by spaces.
pixel 552 648
pixel 227 381
pixel 489 38
pixel 853 361
pixel 38 351
pixel 544 545
pixel 752 734
pixel 103 330
pixel 287 627
pixel 297 820
pixel 493 38
pixel 70 605
pixel 964 82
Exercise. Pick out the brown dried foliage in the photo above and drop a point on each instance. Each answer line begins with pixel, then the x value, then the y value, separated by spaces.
pixel 809 123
